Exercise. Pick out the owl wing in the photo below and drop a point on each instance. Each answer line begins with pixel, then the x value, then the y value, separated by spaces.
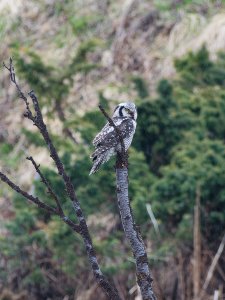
pixel 106 129
pixel 108 137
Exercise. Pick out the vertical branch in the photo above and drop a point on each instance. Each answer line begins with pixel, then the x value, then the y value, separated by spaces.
pixel 197 246
pixel 133 235
pixel 144 278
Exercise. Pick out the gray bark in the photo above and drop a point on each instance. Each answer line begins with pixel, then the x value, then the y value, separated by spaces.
pixel 144 278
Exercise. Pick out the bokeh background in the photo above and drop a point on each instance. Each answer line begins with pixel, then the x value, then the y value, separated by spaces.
pixel 169 58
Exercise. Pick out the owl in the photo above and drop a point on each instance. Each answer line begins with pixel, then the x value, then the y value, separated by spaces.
pixel 107 142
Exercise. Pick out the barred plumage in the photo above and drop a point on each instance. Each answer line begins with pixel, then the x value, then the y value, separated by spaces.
pixel 107 142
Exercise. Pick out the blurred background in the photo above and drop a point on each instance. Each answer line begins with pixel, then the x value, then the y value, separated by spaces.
pixel 168 56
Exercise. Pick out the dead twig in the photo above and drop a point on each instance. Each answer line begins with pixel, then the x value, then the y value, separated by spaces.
pixel 35 200
pixel 51 192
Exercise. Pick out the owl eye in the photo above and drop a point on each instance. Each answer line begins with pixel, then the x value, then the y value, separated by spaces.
pixel 128 111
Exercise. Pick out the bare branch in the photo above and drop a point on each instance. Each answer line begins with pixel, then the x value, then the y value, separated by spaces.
pixel 51 192
pixel 33 199
pixel 60 212
pixel 11 70
pixel 70 223
pixel 108 289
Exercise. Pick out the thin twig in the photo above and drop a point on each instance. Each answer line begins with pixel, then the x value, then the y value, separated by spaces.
pixel 51 192
pixel 11 70
pixel 60 212
pixel 33 199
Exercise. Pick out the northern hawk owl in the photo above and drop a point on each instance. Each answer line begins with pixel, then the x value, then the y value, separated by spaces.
pixel 107 142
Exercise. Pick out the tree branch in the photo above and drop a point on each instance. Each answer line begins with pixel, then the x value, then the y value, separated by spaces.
pixel 51 192
pixel 132 233
pixel 31 198
pixel 37 119
pixel 11 70
pixel 35 200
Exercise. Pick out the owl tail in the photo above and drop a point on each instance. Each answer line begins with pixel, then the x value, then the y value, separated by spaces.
pixel 97 162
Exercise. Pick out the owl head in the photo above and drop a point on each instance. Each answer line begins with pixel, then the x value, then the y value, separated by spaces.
pixel 126 109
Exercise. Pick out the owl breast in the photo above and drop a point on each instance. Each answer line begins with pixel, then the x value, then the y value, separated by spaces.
pixel 107 141
pixel 128 137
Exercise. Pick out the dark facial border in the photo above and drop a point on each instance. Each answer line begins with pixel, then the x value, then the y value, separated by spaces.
pixel 120 111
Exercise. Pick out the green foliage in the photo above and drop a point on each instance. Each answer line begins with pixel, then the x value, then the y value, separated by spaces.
pixel 51 84
pixel 188 5
pixel 82 24
pixel 6 149
pixel 33 138
pixel 182 136
pixel 70 251
pixel 159 122
pixel 198 70
pixel 20 247
pixel 2 26
pixel 6 152
pixel 41 77
pixel 79 24
pixel 141 87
